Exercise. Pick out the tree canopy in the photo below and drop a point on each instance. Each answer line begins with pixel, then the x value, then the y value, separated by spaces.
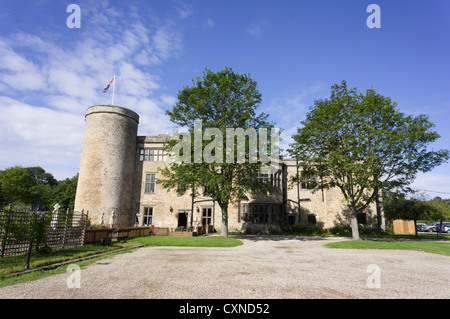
pixel 33 186
pixel 217 108
pixel 362 143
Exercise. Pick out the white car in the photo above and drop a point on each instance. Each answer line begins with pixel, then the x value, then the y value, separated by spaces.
pixel 430 227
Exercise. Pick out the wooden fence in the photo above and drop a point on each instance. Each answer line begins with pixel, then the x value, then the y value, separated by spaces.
pixel 403 226
pixel 95 235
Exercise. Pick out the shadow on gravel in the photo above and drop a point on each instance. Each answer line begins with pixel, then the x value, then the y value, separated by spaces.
pixel 281 237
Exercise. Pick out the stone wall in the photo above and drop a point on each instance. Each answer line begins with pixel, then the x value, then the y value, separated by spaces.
pixel 105 182
pixel 113 178
pixel 325 207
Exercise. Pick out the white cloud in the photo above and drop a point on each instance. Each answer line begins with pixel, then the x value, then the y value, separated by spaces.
pixel 297 101
pixel 432 185
pixel 68 77
pixel 38 136
pixel 19 72
pixel 184 10
pixel 167 42
pixel 209 23
pixel 254 30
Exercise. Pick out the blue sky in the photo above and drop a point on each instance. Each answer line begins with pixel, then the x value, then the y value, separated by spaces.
pixel 296 50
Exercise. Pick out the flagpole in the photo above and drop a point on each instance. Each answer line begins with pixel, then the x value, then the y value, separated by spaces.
pixel 114 89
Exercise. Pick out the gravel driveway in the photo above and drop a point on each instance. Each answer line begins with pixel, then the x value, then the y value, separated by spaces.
pixel 264 267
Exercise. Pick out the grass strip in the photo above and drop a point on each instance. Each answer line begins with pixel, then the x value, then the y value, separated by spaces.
pixel 36 273
pixel 442 248
pixel 41 259
pixel 200 241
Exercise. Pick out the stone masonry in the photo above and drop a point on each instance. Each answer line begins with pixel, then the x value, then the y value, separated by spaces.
pixel 119 170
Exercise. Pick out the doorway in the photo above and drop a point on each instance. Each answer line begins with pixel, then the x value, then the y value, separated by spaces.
pixel 182 219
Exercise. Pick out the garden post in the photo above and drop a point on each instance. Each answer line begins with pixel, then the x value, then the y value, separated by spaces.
pixel 5 236
pixel 65 228
pixel 27 266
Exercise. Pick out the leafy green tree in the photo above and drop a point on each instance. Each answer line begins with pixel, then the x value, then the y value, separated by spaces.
pixel 64 193
pixel 219 101
pixel 24 186
pixel 397 206
pixel 17 186
pixel 41 176
pixel 361 143
pixel 440 210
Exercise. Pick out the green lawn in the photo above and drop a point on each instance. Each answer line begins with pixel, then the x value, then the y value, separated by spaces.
pixel 436 247
pixel 14 264
pixel 213 241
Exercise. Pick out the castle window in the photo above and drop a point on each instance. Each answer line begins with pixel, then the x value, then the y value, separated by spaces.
pixel 150 183
pixel 147 216
pixel 261 213
pixel 206 216
pixel 152 155
pixel 271 179
pixel 308 182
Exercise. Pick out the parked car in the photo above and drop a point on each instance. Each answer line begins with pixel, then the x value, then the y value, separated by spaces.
pixel 420 226
pixel 430 227
pixel 445 227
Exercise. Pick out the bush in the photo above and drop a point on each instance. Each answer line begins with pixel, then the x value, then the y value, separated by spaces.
pixel 341 230
pixel 301 229
pixel 346 231
pixel 268 230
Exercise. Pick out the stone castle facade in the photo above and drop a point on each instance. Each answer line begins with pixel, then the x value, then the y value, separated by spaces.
pixel 117 185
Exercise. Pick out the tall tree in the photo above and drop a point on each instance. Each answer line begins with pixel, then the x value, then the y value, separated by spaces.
pixel 440 211
pixel 361 143
pixel 398 206
pixel 17 186
pixel 64 193
pixel 27 186
pixel 212 110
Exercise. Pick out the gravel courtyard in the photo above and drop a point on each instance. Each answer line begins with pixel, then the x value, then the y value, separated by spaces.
pixel 263 267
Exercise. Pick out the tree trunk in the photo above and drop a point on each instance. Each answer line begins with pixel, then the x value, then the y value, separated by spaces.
pixel 354 224
pixel 415 229
pixel 224 230
pixel 380 212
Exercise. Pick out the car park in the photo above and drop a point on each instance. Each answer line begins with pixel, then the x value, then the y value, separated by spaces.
pixel 445 227
pixel 420 226
pixel 430 227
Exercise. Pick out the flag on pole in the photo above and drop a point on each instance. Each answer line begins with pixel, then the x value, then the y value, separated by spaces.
pixel 109 84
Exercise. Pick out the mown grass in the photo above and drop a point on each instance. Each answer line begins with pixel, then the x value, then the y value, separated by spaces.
pixel 436 247
pixel 208 241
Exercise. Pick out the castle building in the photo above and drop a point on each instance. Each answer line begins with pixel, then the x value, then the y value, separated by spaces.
pixel 118 176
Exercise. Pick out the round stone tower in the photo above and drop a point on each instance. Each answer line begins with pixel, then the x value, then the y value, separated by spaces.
pixel 105 180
